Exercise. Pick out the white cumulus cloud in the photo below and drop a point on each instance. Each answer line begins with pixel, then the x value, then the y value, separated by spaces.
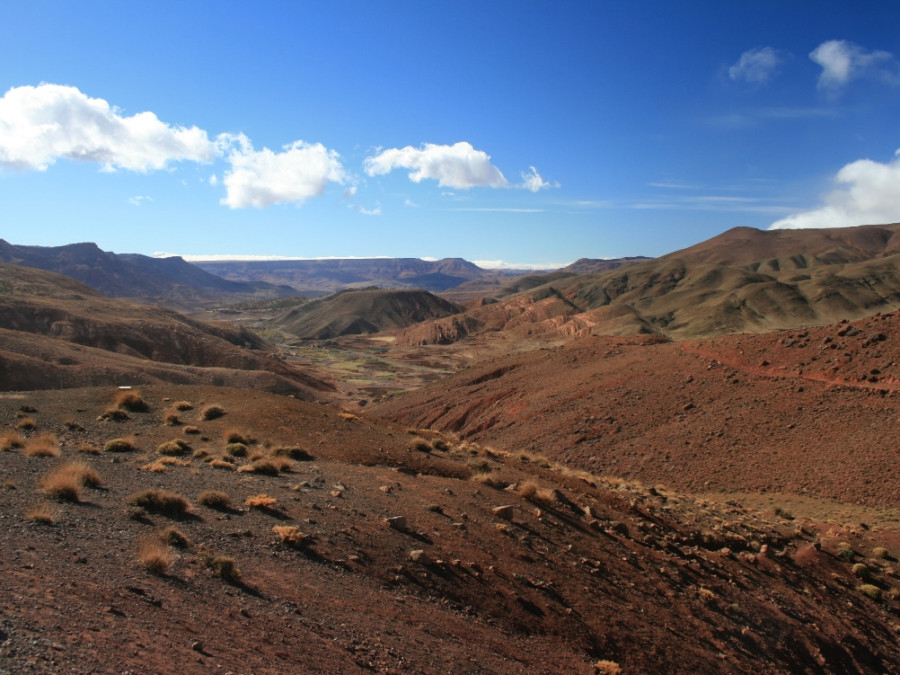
pixel 756 66
pixel 456 166
pixel 261 178
pixel 843 61
pixel 41 124
pixel 867 193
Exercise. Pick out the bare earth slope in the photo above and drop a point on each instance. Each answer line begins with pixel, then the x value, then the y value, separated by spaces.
pixel 561 573
pixel 55 332
pixel 810 411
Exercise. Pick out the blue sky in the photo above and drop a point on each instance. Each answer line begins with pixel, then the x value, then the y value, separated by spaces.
pixel 532 133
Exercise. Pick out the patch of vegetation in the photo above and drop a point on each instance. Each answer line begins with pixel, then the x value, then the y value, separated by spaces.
pixel 26 424
pixel 119 445
pixel 214 499
pixel 42 515
pixel 212 412
pixel 163 502
pixel 263 502
pixel 264 467
pixel 235 436
pixel 870 590
pixel 220 565
pixel 290 535
pixel 155 555
pixel 297 454
pixel 131 401
pixel 174 447
pixel 236 449
pixel 113 415
pixel 10 441
pixel 182 406
pixel 45 445
pixel 172 536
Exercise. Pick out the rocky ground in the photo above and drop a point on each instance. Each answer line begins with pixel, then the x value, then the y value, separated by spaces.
pixel 359 545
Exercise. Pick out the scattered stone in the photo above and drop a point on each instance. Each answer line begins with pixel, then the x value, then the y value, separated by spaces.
pixel 504 512
pixel 396 522
pixel 419 556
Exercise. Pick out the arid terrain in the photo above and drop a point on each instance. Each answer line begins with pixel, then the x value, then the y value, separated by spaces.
pixel 673 465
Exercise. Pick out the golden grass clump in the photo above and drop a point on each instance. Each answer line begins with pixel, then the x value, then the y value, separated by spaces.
pixel 26 424
pixel 212 412
pixel 66 480
pixel 236 449
pixel 155 467
pixel 264 467
pixel 131 401
pixel 174 447
pixel 235 436
pixel 191 430
pixel 214 499
pixel 10 441
pixel 88 449
pixel 163 502
pixel 171 419
pixel 172 536
pixel 119 445
pixel 42 514
pixel 182 406
pixel 222 464
pixel 155 555
pixel 290 535
pixel 220 565
pixel 45 445
pixel 297 454
pixel 870 590
pixel 262 501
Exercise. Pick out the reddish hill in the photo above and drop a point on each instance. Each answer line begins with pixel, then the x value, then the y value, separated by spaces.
pixel 806 412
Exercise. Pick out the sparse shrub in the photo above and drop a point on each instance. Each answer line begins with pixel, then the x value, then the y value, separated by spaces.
pixel 214 499
pixel 263 502
pixel 290 535
pixel 119 445
pixel 480 466
pixel 113 415
pixel 212 412
pixel 862 571
pixel 155 555
pixel 606 667
pixel 174 537
pixel 9 484
pixel 183 406
pixel 136 513
pixel 173 461
pixel 131 401
pixel 88 449
pixel 870 590
pixel 782 513
pixel 434 508
pixel 531 458
pixel 26 424
pixel 155 467
pixel 173 447
pixel 45 445
pixel 220 565
pixel 235 436
pixel 222 464
pixel 845 551
pixel 10 441
pixel 261 466
pixel 191 430
pixel 171 419
pixel 42 515
pixel 421 445
pixel 440 445
pixel 236 449
pixel 201 453
pixel 282 464
pixel 297 454
pixel 62 484
pixel 880 552
pixel 527 489
pixel 84 473
pixel 71 425
pixel 490 480
pixel 160 501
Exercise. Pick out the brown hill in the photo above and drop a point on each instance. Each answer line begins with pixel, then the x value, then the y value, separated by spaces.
pixel 805 412
pixel 56 332
pixel 370 549
pixel 363 311
pixel 170 282
pixel 722 286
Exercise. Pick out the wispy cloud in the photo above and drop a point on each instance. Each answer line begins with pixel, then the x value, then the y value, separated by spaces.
pixel 137 200
pixel 261 178
pixel 458 166
pixel 533 181
pixel 756 66
pixel 866 193
pixel 843 61
pixel 723 203
pixel 499 209
pixel 754 117
pixel 39 125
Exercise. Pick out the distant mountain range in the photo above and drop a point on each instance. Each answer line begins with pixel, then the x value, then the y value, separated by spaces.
pixel 170 282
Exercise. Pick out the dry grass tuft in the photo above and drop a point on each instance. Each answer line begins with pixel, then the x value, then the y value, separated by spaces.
pixel 155 467
pixel 222 464
pixel 155 555
pixel 88 449
pixel 131 401
pixel 191 430
pixel 212 412
pixel 214 499
pixel 182 405
pixel 263 502
pixel 119 445
pixel 26 424
pixel 421 445
pixel 174 447
pixel 870 590
pixel 114 415
pixel 264 467
pixel 62 485
pixel 171 419
pixel 10 441
pixel 172 536
pixel 236 449
pixel 220 565
pixel 235 436
pixel 42 514
pixel 45 445
pixel 160 501
pixel 290 535
pixel 297 454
